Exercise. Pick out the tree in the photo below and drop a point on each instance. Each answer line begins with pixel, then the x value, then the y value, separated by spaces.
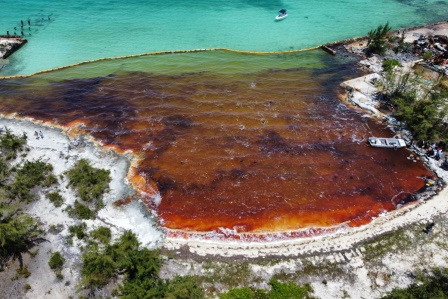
pixel 378 39
pixel 18 234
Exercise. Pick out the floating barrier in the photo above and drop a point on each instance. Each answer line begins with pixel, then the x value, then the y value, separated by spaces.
pixel 163 53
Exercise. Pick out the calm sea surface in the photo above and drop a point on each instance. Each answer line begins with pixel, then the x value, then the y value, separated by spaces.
pixel 66 32
pixel 234 143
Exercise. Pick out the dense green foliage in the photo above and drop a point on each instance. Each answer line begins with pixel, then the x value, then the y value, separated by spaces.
pixel 80 211
pixel 278 290
pixel 422 113
pixel 378 39
pixel 55 198
pixel 245 293
pixel 78 230
pixel 56 261
pixel 89 182
pixel 102 234
pixel 11 144
pixel 139 268
pixel 425 287
pixel 18 233
pixel 30 175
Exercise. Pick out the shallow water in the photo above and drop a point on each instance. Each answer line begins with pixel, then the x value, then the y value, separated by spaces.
pixel 67 32
pixel 242 149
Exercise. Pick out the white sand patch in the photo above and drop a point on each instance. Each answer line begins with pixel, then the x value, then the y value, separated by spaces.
pixel 62 152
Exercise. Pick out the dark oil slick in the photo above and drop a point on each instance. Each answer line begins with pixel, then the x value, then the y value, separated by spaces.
pixel 266 151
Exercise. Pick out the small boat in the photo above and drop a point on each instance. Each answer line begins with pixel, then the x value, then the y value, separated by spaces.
pixel 386 142
pixel 281 15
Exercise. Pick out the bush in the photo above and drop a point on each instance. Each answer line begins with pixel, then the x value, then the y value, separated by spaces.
pixel 378 39
pixel 98 269
pixel 18 233
pixel 55 198
pixel 427 55
pixel 24 272
pixel 102 234
pixel 278 290
pixel 288 290
pixel 425 287
pixel 390 64
pixel 56 261
pixel 30 175
pixel 422 114
pixel 183 287
pixel 78 230
pixel 244 293
pixel 80 211
pixel 10 144
pixel 89 182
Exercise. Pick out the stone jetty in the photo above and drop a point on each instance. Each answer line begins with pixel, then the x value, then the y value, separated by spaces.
pixel 10 44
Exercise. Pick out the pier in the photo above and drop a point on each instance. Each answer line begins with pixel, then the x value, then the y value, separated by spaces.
pixel 10 44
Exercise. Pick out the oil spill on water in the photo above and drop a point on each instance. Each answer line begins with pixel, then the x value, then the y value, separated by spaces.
pixel 263 152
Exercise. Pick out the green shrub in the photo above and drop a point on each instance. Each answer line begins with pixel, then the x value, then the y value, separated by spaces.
pixel 425 287
pixel 102 234
pixel 4 171
pixel 10 144
pixel 244 293
pixel 30 175
pixel 90 183
pixel 98 268
pixel 183 287
pixel 80 211
pixel 278 290
pixel 288 290
pixel 18 233
pixel 59 275
pixel 50 180
pixel 423 115
pixel 378 39
pixel 427 55
pixel 388 65
pixel 55 198
pixel 56 261
pixel 24 272
pixel 78 230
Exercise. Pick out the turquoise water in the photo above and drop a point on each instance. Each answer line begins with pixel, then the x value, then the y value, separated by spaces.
pixel 67 32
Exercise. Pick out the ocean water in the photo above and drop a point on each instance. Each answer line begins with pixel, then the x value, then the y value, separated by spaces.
pixel 232 143
pixel 67 32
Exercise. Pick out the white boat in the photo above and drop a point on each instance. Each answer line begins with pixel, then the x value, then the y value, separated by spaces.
pixel 281 15
pixel 386 142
